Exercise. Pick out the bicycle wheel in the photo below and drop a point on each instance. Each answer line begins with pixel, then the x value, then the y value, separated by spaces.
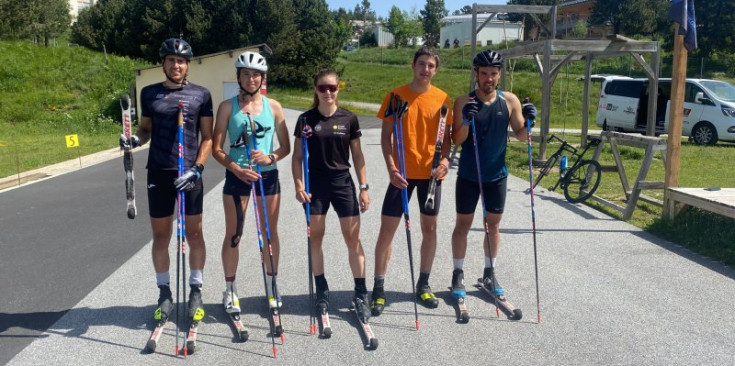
pixel 582 181
pixel 546 169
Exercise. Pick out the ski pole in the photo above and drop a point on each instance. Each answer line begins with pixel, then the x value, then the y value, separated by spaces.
pixel 429 205
pixel 484 214
pixel 274 285
pixel 181 233
pixel 305 134
pixel 533 216
pixel 260 243
pixel 398 132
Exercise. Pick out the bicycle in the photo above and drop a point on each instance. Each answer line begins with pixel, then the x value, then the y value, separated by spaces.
pixel 581 179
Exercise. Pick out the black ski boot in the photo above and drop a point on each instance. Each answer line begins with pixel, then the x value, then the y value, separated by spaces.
pixel 165 304
pixel 426 296
pixel 491 283
pixel 458 289
pixel 196 307
pixel 361 306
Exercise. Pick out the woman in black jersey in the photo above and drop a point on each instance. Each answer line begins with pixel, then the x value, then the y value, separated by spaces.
pixel 335 133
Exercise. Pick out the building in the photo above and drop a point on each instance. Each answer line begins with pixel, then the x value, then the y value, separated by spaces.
pixel 457 29
pixel 574 11
pixel 75 6
pixel 215 72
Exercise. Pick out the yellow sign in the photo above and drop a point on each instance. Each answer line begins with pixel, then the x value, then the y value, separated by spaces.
pixel 72 140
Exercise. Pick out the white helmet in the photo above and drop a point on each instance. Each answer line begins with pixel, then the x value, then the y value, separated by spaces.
pixel 251 60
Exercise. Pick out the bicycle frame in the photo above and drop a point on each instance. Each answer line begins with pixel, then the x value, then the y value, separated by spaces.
pixel 574 154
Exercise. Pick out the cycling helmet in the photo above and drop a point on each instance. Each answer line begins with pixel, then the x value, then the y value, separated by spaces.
pixel 251 60
pixel 488 58
pixel 175 46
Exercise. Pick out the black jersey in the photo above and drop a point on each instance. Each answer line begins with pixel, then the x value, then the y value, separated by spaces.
pixel 161 105
pixel 329 146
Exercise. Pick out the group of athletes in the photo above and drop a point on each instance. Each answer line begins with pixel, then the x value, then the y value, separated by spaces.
pixel 333 138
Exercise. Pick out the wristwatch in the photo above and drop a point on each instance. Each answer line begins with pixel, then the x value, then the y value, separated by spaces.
pixel 273 159
pixel 364 187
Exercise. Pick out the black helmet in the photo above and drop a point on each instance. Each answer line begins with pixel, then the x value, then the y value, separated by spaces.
pixel 175 46
pixel 488 58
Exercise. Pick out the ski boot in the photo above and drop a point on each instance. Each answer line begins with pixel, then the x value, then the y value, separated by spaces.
pixel 458 289
pixel 165 304
pixel 491 283
pixel 378 304
pixel 196 307
pixel 231 301
pixel 361 307
pixel 427 297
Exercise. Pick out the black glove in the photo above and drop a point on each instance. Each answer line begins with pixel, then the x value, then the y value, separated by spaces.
pixel 529 111
pixel 189 179
pixel 470 109
pixel 133 142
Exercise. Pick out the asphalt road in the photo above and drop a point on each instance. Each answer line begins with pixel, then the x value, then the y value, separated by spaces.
pixel 78 287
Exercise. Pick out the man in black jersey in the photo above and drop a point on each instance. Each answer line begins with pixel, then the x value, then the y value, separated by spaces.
pixel 159 125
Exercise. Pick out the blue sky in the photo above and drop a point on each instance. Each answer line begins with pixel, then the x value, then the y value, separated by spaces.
pixel 382 7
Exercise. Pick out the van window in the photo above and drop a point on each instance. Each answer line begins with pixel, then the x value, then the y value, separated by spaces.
pixel 721 89
pixel 624 88
pixel 691 91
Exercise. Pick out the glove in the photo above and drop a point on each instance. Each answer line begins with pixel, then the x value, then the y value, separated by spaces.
pixel 469 110
pixel 529 111
pixel 189 179
pixel 133 142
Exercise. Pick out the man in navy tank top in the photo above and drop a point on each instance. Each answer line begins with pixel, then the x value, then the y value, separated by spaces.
pixel 492 112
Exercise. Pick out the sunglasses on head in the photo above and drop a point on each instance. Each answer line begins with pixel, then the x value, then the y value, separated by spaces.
pixel 324 87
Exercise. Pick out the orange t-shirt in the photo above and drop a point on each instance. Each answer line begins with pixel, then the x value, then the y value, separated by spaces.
pixel 420 127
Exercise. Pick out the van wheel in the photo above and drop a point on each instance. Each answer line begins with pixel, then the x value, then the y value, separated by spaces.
pixel 704 134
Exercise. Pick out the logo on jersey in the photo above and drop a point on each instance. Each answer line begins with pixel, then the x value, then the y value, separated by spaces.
pixel 260 131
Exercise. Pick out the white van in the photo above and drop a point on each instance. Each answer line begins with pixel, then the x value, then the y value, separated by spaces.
pixel 709 108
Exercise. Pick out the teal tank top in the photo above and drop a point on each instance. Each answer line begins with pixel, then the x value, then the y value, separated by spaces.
pixel 265 127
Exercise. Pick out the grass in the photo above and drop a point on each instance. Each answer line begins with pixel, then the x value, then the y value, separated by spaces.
pixel 701 166
pixel 48 93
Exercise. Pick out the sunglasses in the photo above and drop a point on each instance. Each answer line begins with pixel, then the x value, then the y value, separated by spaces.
pixel 324 87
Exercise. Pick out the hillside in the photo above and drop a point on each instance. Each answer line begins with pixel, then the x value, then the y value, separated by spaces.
pixel 47 93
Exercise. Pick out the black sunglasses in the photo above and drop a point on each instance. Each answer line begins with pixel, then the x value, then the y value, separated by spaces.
pixel 324 87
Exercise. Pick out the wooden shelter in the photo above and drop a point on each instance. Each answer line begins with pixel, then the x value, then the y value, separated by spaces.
pixel 551 54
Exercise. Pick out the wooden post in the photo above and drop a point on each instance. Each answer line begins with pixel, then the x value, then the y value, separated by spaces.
pixel 676 114
pixel 586 98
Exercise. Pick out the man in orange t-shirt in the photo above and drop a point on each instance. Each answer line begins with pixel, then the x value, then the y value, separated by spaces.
pixel 420 129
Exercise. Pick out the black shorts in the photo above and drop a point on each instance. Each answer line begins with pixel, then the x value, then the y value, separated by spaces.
pixel 236 187
pixel 393 202
pixel 468 193
pixel 162 195
pixel 335 188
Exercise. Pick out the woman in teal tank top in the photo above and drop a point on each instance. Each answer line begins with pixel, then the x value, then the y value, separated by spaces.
pixel 239 118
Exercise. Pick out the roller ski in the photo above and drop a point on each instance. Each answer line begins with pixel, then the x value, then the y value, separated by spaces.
pixel 362 310
pixel 161 316
pixel 196 313
pixel 231 303
pixel 322 316
pixel 128 156
pixel 490 285
pixel 460 296
pixel 275 318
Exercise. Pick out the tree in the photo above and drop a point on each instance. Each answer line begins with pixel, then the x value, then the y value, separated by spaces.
pixel 630 17
pixel 396 25
pixel 715 27
pixel 431 16
pixel 40 19
pixel 467 9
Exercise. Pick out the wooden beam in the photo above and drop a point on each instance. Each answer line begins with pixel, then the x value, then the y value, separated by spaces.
pixel 487 20
pixel 528 9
